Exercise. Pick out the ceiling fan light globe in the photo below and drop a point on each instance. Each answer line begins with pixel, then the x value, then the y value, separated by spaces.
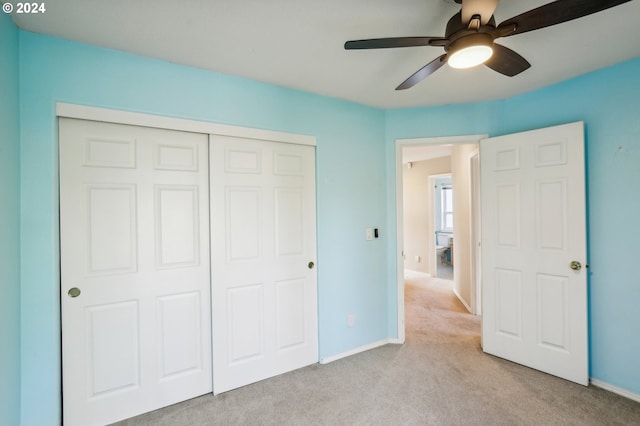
pixel 470 56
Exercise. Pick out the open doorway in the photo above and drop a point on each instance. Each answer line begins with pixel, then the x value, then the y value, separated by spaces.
pixel 423 153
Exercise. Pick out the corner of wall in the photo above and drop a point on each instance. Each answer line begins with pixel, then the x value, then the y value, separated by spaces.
pixel 10 354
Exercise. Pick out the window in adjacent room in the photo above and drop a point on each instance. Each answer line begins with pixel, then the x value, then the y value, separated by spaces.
pixel 446 203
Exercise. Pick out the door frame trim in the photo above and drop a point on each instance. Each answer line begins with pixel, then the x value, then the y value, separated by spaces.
pixel 399 145
pixel 107 115
pixel 475 233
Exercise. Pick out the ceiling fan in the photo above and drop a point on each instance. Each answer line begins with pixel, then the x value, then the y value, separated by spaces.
pixel 470 34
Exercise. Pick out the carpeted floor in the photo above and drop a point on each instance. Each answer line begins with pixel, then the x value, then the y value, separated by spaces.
pixel 440 376
pixel 444 272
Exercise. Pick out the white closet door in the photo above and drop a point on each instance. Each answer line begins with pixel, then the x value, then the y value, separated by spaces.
pixel 263 253
pixel 135 289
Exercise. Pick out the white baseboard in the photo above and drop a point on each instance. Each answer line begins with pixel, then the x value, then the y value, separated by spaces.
pixel 615 389
pixel 358 350
pixel 462 301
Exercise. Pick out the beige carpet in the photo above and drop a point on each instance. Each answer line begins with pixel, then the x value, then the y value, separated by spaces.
pixel 440 376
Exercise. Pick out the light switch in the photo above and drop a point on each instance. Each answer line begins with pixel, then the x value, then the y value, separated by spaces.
pixel 369 234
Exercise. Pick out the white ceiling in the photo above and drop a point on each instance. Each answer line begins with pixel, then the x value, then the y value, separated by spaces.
pixel 299 43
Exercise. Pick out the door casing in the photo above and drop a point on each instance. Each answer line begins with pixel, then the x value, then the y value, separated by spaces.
pixel 399 145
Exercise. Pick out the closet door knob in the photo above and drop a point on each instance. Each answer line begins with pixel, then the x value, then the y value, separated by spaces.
pixel 74 292
pixel 575 265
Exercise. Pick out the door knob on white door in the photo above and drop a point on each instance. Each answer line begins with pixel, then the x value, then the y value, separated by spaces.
pixel 74 292
pixel 575 265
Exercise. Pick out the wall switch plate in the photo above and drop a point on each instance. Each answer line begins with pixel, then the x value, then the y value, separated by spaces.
pixel 369 234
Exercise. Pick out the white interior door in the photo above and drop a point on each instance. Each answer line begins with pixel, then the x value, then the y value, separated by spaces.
pixel 135 289
pixel 533 228
pixel 263 240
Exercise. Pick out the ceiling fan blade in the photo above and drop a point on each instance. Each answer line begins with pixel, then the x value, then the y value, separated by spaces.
pixel 484 8
pixel 554 13
pixel 423 72
pixel 506 61
pixel 383 43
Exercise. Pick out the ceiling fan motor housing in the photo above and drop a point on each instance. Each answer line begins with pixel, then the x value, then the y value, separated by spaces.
pixel 459 35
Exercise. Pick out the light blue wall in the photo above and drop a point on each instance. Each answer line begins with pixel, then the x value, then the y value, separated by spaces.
pixel 350 186
pixel 608 101
pixel 9 225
